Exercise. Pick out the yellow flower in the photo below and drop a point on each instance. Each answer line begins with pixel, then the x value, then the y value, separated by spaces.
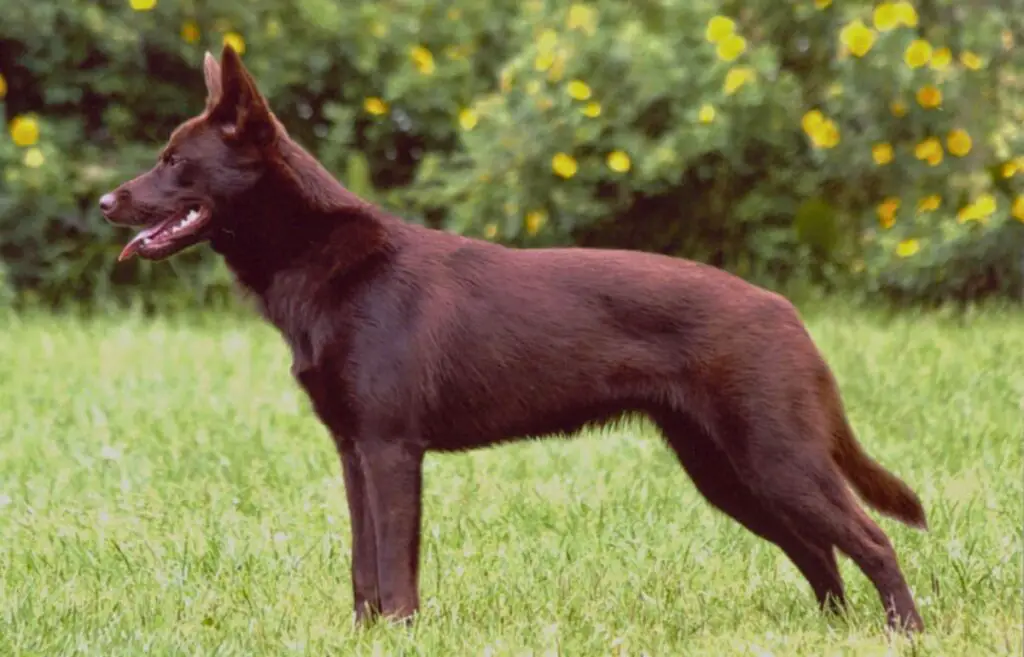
pixel 3 87
pixel 980 210
pixel 24 130
pixel 1009 169
pixel 579 90
pixel 706 114
pixel 967 213
pixel 971 60
pixel 235 41
pixel 544 60
pixel 986 204
pixel 619 162
pixel 142 5
pixel 1018 208
pixel 812 120
pixel 423 59
pixel 592 109
pixel 564 165
pixel 941 59
pixel 927 148
pixel 718 28
pixel 731 47
pixel 917 53
pixel 958 142
pixel 822 4
pixel 882 153
pixel 885 17
pixel 906 14
pixel 533 87
pixel 33 158
pixel 929 203
pixel 490 230
pixel 558 68
pixel 898 108
pixel 887 212
pixel 827 136
pixel 929 96
pixel 375 106
pixel 857 37
pixel 534 221
pixel 582 17
pixel 736 78
pixel 823 132
pixel 468 119
pixel 907 248
pixel 189 32
pixel 547 39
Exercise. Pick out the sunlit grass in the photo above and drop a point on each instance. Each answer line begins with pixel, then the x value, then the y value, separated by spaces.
pixel 164 488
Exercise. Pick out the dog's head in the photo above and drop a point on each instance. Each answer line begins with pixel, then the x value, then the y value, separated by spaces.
pixel 209 162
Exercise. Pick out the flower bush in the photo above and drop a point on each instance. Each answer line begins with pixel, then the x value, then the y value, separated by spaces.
pixel 871 142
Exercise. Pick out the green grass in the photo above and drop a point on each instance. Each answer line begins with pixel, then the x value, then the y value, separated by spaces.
pixel 164 488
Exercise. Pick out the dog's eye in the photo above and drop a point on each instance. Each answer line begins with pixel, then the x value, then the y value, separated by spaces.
pixel 173 160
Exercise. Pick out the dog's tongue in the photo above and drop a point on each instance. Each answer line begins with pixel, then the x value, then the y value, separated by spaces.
pixel 132 247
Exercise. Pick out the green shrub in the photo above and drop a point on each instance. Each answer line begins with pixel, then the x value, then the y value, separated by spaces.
pixel 794 164
pixel 765 142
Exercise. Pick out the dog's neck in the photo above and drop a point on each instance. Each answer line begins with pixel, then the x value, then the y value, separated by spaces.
pixel 299 215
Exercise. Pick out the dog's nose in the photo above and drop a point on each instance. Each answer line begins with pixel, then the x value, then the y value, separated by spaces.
pixel 107 202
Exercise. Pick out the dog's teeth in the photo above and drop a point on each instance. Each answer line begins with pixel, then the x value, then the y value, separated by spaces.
pixel 192 216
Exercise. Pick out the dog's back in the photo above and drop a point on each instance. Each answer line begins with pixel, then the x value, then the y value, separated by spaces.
pixel 503 343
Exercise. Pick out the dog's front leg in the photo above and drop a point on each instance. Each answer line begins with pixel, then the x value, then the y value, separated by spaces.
pixel 365 588
pixel 323 393
pixel 393 469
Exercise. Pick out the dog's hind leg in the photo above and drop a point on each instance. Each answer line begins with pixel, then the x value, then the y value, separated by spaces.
pixel 717 480
pixel 797 478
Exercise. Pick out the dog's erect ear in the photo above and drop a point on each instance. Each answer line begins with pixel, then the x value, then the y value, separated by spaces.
pixel 241 110
pixel 211 72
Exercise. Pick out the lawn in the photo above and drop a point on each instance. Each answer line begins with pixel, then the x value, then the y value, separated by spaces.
pixel 164 489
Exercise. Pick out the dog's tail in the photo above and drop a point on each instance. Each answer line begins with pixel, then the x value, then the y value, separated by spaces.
pixel 877 486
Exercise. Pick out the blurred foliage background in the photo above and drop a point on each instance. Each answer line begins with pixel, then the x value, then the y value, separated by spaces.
pixel 873 146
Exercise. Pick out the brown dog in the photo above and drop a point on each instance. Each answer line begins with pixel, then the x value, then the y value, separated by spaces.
pixel 410 340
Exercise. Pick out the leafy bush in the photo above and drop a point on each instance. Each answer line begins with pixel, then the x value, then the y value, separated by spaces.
pixel 877 141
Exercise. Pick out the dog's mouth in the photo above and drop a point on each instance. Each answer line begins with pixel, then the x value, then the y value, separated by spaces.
pixel 167 237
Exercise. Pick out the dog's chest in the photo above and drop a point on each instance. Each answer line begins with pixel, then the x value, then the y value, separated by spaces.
pixel 289 306
pixel 316 341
